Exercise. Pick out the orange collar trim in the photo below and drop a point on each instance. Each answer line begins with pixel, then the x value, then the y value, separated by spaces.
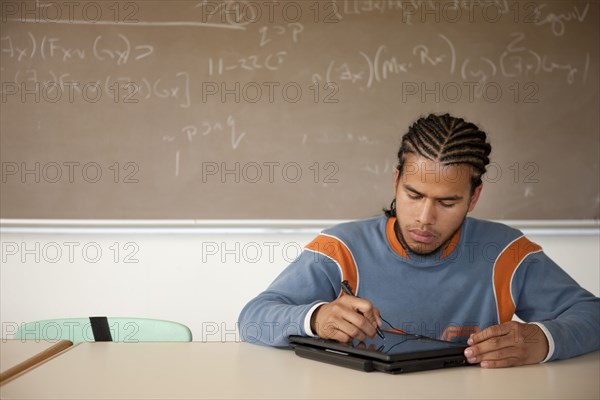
pixel 451 245
pixel 392 239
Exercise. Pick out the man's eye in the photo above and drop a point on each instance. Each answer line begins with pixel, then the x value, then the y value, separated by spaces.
pixel 447 205
pixel 414 196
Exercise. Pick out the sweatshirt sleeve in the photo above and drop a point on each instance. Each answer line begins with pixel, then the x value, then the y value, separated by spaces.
pixel 544 293
pixel 281 310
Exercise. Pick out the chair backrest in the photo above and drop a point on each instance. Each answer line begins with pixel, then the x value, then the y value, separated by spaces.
pixel 128 330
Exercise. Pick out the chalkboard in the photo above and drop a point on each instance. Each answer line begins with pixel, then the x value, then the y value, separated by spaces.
pixel 289 109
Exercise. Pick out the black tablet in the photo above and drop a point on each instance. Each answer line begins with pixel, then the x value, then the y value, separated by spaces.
pixel 395 354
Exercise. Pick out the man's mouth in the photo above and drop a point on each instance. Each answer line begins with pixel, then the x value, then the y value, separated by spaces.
pixel 420 236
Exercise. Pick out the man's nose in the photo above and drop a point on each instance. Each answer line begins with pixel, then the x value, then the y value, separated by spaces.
pixel 427 213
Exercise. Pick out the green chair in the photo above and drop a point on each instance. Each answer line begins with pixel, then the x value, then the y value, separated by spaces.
pixel 96 329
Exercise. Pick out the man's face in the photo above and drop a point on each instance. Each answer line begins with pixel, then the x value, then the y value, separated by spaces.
pixel 432 200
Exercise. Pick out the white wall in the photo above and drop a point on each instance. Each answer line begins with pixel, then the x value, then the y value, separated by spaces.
pixel 198 274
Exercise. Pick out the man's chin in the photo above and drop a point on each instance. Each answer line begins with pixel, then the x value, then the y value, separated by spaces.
pixel 422 249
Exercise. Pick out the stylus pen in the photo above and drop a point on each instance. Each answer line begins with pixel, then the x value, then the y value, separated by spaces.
pixel 348 290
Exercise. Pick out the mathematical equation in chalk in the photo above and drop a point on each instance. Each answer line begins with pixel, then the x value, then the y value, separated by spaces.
pixel 516 61
pixel 128 89
pixel 116 48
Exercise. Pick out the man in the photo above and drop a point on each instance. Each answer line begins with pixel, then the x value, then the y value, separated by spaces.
pixel 425 268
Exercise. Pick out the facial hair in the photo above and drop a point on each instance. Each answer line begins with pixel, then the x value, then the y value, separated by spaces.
pixel 400 238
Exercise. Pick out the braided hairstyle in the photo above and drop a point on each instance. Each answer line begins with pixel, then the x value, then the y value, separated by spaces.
pixel 447 140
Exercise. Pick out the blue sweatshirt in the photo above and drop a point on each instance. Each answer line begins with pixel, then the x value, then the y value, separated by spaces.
pixel 486 274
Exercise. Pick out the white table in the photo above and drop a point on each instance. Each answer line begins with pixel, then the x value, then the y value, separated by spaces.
pixel 241 370
pixel 17 356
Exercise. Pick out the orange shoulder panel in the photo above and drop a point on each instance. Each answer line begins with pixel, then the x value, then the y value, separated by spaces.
pixel 506 264
pixel 335 249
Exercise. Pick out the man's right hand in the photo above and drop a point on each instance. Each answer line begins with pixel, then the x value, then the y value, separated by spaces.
pixel 345 319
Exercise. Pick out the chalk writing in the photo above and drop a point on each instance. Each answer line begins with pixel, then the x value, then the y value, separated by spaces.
pixel 271 62
pixel 193 133
pixel 557 21
pixel 336 137
pixel 515 61
pixel 103 48
pixel 175 87
pixel 379 168
pixel 293 29
pixel 518 60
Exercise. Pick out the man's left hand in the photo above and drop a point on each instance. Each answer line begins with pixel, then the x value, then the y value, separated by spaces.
pixel 507 345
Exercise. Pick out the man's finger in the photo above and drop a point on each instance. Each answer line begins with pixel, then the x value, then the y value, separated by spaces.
pixel 491 332
pixel 365 316
pixel 378 320
pixel 361 323
pixel 363 306
pixel 374 317
pixel 339 331
pixel 340 336
pixel 475 352
pixel 489 350
pixel 504 363
pixel 352 331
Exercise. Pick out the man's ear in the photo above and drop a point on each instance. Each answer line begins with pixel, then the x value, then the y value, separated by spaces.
pixel 475 197
pixel 396 177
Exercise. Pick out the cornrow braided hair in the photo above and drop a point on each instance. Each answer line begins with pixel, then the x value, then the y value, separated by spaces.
pixel 448 140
